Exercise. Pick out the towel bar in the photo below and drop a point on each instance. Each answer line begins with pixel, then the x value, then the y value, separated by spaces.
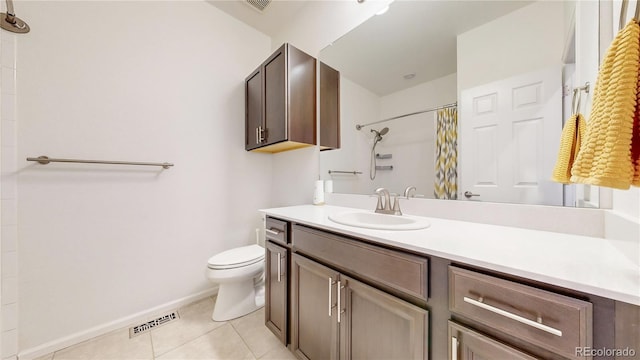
pixel 44 160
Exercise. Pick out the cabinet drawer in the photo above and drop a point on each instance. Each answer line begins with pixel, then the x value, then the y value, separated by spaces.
pixel 465 344
pixel 554 322
pixel 404 272
pixel 276 230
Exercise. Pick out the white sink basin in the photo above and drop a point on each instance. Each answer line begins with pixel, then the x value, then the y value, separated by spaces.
pixel 371 220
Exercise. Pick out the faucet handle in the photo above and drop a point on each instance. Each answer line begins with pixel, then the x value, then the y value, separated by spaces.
pixel 396 206
pixel 379 204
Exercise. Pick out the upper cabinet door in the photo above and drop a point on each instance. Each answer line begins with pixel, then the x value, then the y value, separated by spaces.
pixel 286 103
pixel 275 97
pixel 329 108
pixel 253 110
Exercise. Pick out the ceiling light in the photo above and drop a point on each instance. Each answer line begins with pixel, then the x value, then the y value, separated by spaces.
pixel 409 76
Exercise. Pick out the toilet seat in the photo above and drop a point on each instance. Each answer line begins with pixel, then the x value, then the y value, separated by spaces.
pixel 237 257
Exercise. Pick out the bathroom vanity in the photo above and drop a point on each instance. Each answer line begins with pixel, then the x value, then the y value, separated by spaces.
pixel 454 290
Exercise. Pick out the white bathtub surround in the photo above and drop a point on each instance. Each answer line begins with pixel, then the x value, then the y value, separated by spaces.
pixel 9 196
pixel 588 264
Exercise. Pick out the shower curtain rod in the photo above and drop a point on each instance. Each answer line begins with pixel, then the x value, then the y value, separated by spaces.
pixel 358 127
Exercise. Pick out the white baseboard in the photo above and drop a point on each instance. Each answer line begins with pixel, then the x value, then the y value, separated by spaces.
pixel 58 344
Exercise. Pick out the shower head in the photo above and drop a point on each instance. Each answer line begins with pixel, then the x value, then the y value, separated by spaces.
pixel 381 133
pixel 11 22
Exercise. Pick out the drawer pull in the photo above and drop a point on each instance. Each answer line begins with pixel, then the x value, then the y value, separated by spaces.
pixel 273 232
pixel 515 317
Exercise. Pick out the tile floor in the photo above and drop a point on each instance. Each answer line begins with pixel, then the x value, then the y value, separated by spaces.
pixel 195 336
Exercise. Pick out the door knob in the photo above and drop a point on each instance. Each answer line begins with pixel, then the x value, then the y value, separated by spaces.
pixel 469 194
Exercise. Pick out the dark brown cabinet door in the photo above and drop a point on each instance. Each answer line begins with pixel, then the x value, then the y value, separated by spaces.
pixel 281 102
pixel 376 325
pixel 275 98
pixel 276 290
pixel 329 108
pixel 466 344
pixel 314 328
pixel 253 110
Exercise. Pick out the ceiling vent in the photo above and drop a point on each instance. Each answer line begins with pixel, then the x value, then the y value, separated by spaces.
pixel 258 5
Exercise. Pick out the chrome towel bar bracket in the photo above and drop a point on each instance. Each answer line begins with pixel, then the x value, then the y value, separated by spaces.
pixel 44 160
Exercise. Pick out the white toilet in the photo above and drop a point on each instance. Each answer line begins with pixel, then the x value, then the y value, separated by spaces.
pixel 238 271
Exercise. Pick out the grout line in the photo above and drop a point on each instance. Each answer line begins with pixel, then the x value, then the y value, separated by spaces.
pixel 243 340
pixel 153 350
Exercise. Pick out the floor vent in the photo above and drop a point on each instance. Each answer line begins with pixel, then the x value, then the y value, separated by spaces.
pixel 259 5
pixel 142 328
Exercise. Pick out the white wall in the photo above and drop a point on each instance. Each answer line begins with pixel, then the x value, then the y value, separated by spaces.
pixel 317 25
pixel 410 140
pixel 535 40
pixel 139 81
pixel 355 146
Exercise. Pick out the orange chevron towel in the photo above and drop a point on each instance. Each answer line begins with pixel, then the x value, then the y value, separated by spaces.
pixel 570 142
pixel 605 158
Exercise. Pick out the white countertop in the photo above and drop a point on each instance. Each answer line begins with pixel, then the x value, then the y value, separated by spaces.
pixel 597 266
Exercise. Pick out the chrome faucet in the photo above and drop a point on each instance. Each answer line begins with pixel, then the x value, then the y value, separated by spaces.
pixel 386 207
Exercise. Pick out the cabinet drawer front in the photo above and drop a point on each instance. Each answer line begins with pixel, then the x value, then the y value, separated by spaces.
pixel 554 322
pixel 465 343
pixel 276 230
pixel 404 272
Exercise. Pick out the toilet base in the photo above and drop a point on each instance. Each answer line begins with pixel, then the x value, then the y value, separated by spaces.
pixel 234 300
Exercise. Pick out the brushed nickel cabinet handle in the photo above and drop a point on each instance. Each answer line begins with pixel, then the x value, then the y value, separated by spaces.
pixel 257 136
pixel 279 268
pixel 518 318
pixel 340 310
pixel 331 305
pixel 273 232
pixel 454 348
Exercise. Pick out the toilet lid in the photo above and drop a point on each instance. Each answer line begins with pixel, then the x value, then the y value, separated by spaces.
pixel 237 257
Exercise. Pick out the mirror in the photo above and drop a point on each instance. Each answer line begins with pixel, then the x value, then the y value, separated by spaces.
pixel 481 56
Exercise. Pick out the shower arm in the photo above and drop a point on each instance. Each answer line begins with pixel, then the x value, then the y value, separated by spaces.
pixel 11 14
pixel 11 22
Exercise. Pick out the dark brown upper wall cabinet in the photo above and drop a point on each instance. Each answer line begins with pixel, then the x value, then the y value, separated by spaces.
pixel 329 108
pixel 280 102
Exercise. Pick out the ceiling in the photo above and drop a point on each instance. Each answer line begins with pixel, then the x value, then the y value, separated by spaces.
pixel 274 17
pixel 413 37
